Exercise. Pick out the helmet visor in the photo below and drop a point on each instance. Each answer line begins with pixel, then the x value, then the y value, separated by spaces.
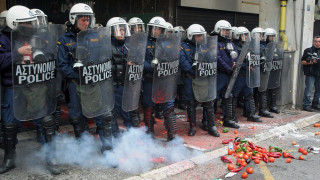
pixel 225 32
pixel 199 39
pixel 120 30
pixel 43 20
pixel 137 28
pixel 155 31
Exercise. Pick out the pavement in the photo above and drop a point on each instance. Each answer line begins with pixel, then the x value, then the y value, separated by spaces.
pixel 212 147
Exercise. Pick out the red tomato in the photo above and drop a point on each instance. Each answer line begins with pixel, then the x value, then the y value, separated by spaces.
pixel 244 175
pixel 304 152
pixel 300 149
pixel 256 161
pixel 230 166
pixel 230 151
pixel 235 131
pixel 271 159
pixel 301 157
pixel 240 155
pixel 249 170
pixel 263 151
pixel 285 155
pixel 294 143
pixel 244 164
pixel 246 157
pixel 288 160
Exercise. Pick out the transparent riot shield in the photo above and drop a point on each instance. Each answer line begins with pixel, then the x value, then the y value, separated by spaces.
pixel 236 69
pixel 55 32
pixel 93 55
pixel 266 65
pixel 34 75
pixel 204 84
pixel 137 45
pixel 167 50
pixel 253 62
pixel 276 68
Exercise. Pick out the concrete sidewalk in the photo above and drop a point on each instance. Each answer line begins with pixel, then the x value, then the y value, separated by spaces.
pixel 213 148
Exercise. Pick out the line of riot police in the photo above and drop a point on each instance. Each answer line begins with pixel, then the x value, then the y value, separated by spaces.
pixel 106 69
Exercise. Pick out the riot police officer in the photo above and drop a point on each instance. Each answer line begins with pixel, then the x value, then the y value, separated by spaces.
pixel 119 32
pixel 156 27
pixel 81 17
pixel 275 73
pixel 23 23
pixel 196 35
pixel 241 34
pixel 227 57
pixel 265 72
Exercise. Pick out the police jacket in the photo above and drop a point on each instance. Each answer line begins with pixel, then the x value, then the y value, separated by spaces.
pixel 66 54
pixel 5 57
pixel 188 49
pixel 313 69
pixel 150 53
pixel 243 69
pixel 225 62
pixel 119 60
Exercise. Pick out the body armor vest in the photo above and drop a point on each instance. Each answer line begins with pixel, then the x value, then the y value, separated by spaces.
pixel 119 61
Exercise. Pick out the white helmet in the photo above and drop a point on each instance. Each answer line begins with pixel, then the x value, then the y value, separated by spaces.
pixel 241 33
pixel 17 14
pixel 81 9
pixel 116 23
pixel 42 17
pixel 169 27
pixel 270 32
pixel 156 22
pixel 233 28
pixel 196 29
pixel 136 24
pixel 178 29
pixel 260 31
pixel 3 16
pixel 222 24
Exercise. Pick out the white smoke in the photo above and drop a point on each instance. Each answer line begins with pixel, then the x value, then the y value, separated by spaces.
pixel 134 151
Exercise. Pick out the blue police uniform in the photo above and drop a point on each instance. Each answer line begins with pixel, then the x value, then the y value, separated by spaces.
pixel 10 126
pixel 67 44
pixel 241 87
pixel 187 52
pixel 225 63
pixel 119 55
pixel 147 104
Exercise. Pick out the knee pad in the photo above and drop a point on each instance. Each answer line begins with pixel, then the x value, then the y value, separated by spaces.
pixel 48 121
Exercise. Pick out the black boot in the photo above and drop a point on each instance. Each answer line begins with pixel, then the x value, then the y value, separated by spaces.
pixel 170 121
pixel 78 126
pixel 212 129
pixel 57 115
pixel 158 111
pixel 204 120
pixel 234 108
pixel 10 138
pixel 251 114
pixel 273 102
pixel 263 105
pixel 107 132
pixel 148 120
pixel 48 125
pixel 135 119
pixel 191 111
pixel 228 119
